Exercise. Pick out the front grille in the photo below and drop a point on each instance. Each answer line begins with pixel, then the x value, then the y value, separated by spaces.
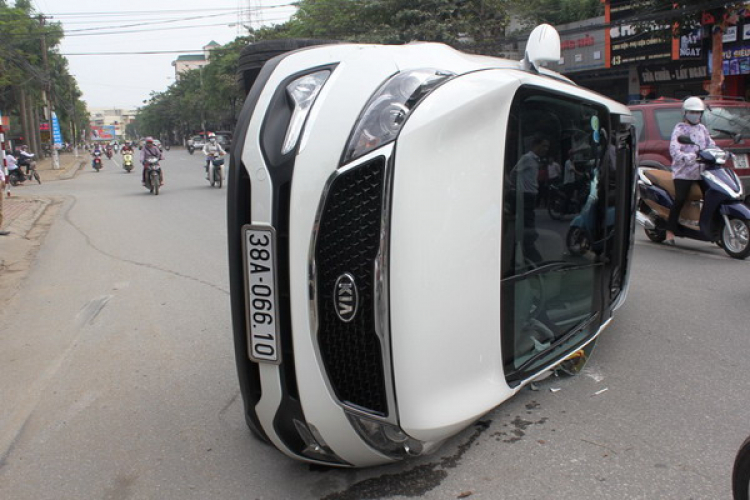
pixel 348 242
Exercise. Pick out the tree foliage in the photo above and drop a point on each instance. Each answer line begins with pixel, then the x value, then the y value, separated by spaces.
pixel 556 12
pixel 207 96
pixel 23 73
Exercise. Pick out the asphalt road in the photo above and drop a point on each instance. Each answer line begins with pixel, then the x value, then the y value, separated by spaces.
pixel 118 378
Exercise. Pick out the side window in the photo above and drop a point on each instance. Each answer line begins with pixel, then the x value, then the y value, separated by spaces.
pixel 666 119
pixel 557 152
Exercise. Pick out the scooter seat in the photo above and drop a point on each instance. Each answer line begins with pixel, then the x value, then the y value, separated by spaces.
pixel 663 179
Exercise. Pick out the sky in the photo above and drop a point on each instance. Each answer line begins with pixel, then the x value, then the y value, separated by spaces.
pixel 125 81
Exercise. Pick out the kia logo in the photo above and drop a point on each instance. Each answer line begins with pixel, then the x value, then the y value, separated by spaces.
pixel 345 297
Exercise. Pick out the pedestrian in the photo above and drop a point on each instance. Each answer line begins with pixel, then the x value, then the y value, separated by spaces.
pixel 685 168
pixel 2 192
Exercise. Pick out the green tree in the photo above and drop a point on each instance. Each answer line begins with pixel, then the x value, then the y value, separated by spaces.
pixel 556 12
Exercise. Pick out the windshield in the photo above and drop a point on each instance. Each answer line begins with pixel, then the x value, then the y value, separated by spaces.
pixel 724 123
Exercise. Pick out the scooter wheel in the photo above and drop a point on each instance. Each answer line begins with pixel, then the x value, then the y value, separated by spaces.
pixel 738 246
pixel 656 235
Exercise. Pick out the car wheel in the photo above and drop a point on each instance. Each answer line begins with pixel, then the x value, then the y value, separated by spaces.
pixel 741 472
pixel 255 55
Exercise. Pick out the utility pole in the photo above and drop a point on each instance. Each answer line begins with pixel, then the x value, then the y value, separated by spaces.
pixel 47 96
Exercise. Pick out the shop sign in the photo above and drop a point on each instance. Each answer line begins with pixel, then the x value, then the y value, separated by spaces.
pixel 691 45
pixel 581 49
pixel 672 72
pixel 629 44
pixel 736 60
pixel 730 34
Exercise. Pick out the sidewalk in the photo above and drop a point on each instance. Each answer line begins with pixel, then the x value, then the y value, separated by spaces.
pixel 23 205
pixel 28 216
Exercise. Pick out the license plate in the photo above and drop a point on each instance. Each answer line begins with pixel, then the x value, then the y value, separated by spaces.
pixel 740 161
pixel 260 280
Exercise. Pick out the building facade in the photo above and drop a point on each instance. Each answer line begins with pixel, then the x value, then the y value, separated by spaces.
pixel 187 62
pixel 610 55
pixel 108 124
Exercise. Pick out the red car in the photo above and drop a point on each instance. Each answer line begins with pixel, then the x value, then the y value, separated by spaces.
pixel 727 119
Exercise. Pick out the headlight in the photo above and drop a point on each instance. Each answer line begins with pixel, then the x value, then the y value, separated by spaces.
pixel 387 110
pixel 302 92
pixel 389 439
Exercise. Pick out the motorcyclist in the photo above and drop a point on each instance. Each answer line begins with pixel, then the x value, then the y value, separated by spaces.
pixel 13 169
pixel 212 148
pixel 25 158
pixel 685 167
pixel 150 150
pixel 96 153
pixel 126 149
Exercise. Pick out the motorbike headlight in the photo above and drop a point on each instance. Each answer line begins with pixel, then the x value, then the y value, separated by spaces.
pixel 302 93
pixel 387 110
pixel 389 439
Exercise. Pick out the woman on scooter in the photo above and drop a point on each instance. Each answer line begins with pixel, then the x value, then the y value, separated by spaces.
pixel 685 167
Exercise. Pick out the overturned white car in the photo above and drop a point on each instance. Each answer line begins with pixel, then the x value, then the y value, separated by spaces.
pixel 404 253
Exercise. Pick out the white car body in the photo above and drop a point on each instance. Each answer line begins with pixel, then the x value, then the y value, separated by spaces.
pixel 438 269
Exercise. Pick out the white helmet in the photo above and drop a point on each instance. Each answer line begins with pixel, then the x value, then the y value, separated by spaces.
pixel 693 104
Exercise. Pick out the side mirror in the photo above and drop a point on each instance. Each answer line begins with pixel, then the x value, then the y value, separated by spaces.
pixel 685 139
pixel 543 46
pixel 737 138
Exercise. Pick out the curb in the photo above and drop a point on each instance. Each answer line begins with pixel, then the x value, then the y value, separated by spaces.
pixel 71 172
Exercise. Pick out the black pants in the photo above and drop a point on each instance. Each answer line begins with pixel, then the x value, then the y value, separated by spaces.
pixel 681 192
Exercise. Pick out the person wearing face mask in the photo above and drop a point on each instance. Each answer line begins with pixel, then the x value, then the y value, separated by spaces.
pixel 685 167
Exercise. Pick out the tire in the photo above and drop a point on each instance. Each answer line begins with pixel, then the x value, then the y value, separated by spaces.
pixel 741 472
pixel 739 246
pixel 220 180
pixel 254 56
pixel 36 177
pixel 656 235
pixel 217 177
pixel 211 176
pixel 155 182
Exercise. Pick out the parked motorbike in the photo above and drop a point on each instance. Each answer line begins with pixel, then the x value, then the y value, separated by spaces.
pixel 127 162
pixel 720 216
pixel 216 170
pixel 153 175
pixel 97 162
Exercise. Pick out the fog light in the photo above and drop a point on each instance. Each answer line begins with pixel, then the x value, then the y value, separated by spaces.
pixel 389 439
pixel 315 447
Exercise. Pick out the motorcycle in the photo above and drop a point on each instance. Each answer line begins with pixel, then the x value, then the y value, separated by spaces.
pixel 153 175
pixel 191 148
pixel 215 170
pixel 31 172
pixel 97 162
pixel 108 152
pixel 719 216
pixel 127 161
